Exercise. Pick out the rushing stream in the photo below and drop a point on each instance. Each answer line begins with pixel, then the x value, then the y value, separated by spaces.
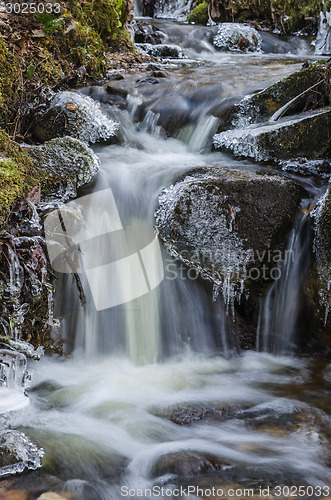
pixel 154 392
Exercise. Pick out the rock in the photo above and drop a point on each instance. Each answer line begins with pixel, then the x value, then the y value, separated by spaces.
pixel 114 75
pixel 199 14
pixel 113 95
pixel 173 112
pixel 69 455
pixel 75 115
pixel 318 287
pixel 65 164
pixel 191 414
pixel 231 226
pixel 185 464
pixel 51 495
pixel 17 453
pixel 116 90
pixel 283 139
pixel 262 105
pixel 162 50
pixel 147 33
pixel 149 81
pixel 159 74
pixel 235 37
pixel 82 490
pixel 14 495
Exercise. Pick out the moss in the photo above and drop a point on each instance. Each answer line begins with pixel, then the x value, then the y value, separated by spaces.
pixel 80 35
pixel 17 175
pixel 9 81
pixel 105 17
pixel 199 14
pixel 293 13
pixel 264 104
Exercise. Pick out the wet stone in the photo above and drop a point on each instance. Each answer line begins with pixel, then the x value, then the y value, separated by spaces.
pixel 65 165
pixel 78 116
pixel 186 464
pixel 187 415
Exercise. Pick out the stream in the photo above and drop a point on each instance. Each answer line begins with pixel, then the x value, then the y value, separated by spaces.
pixel 154 393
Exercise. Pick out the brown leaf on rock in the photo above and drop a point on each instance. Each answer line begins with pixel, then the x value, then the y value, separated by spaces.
pixel 71 106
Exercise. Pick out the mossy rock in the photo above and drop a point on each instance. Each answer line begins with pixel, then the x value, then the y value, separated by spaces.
pixel 261 106
pixel 76 115
pixel 223 222
pixel 106 17
pixel 64 165
pixel 17 175
pixel 281 140
pixel 71 44
pixel 199 14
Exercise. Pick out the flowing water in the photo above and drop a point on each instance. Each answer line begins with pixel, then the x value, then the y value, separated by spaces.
pixel 154 393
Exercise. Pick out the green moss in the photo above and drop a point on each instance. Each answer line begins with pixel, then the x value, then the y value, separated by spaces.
pixel 16 174
pixel 105 17
pixel 293 12
pixel 265 103
pixel 9 81
pixel 199 14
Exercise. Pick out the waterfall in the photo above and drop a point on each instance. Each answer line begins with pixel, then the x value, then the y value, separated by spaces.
pixel 323 39
pixel 172 9
pixel 277 324
pixel 176 314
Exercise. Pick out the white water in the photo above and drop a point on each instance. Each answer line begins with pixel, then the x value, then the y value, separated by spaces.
pixel 277 327
pixel 100 414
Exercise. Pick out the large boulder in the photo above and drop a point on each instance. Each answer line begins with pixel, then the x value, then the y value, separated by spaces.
pixel 231 226
pixel 282 139
pixel 75 115
pixel 64 165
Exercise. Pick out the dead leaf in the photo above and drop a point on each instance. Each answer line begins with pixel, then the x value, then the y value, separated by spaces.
pixel 34 195
pixel 71 106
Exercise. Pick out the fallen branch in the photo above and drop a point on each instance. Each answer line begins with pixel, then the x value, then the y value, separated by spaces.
pixel 281 111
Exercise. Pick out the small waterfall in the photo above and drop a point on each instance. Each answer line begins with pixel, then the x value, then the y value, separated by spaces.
pixel 177 314
pixel 323 40
pixel 277 325
pixel 172 9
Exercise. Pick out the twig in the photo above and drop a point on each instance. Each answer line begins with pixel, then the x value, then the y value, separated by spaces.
pixel 281 111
